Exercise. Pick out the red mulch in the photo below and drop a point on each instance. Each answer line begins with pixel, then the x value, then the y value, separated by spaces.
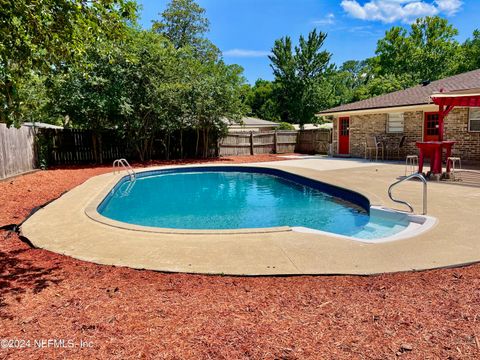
pixel 127 313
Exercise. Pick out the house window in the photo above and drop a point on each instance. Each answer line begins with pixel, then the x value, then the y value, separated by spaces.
pixel 474 119
pixel 395 123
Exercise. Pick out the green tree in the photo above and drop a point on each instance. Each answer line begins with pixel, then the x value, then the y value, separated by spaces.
pixel 90 100
pixel 427 52
pixel 469 58
pixel 261 100
pixel 344 81
pixel 132 87
pixel 434 47
pixel 358 72
pixel 215 94
pixel 32 100
pixel 300 76
pixel 41 36
pixel 184 23
pixel 395 52
pixel 210 89
pixel 152 88
pixel 382 84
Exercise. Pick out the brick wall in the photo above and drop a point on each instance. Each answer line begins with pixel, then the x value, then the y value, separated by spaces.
pixel 363 126
pixel 413 130
pixel 456 128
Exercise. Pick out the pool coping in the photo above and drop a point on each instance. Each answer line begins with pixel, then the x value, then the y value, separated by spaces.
pixel 92 208
pixel 63 227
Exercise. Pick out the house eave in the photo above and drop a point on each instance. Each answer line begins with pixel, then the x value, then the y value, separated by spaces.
pixel 252 126
pixel 379 110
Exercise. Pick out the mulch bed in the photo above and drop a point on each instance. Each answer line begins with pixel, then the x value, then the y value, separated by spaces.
pixel 124 313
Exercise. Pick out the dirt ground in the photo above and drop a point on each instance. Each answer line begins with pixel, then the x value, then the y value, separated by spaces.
pixel 52 306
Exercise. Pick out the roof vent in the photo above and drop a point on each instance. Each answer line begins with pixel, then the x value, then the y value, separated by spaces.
pixel 425 82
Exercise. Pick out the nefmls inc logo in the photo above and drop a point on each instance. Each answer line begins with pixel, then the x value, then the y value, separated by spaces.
pixel 54 343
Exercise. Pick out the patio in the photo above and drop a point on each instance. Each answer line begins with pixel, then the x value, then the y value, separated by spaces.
pixel 453 241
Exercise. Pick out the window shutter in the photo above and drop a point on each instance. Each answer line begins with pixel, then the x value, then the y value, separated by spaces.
pixel 395 123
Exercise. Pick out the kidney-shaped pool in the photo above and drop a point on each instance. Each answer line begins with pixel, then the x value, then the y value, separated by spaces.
pixel 234 197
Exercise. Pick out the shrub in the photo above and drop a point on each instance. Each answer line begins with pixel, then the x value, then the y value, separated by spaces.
pixel 285 126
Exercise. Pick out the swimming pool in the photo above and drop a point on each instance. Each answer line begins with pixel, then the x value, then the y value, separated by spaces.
pixel 233 197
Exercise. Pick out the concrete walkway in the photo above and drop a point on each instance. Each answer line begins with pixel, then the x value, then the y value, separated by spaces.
pixel 63 227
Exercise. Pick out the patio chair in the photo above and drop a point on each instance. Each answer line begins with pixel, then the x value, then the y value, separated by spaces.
pixel 373 144
pixel 396 148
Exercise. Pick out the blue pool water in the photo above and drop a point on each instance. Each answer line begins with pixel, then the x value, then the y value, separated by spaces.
pixel 236 200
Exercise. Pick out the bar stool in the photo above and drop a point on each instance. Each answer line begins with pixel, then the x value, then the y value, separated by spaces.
pixel 454 160
pixel 411 164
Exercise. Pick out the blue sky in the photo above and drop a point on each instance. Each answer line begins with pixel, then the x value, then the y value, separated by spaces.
pixel 245 30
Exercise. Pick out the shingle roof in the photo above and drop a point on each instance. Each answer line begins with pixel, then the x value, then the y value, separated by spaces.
pixel 250 121
pixel 254 121
pixel 42 125
pixel 327 126
pixel 417 95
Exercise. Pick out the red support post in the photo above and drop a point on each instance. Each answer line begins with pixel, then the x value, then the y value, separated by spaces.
pixel 442 114
pixel 440 121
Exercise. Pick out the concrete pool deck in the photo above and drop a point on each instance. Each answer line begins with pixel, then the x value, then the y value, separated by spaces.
pixel 63 227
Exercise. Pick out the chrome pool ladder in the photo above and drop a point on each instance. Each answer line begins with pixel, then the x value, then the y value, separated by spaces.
pixel 416 175
pixel 128 189
pixel 124 163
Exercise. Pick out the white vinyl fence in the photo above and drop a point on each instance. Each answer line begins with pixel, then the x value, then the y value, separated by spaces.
pixel 17 150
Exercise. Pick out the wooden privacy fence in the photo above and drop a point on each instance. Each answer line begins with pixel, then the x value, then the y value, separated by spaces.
pixel 315 141
pixel 17 150
pixel 68 146
pixel 72 146
pixel 258 143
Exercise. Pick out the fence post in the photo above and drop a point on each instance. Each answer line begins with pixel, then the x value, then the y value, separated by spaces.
pixel 314 133
pixel 275 142
pixel 251 144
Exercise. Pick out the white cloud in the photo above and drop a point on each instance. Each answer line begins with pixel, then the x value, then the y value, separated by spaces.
pixel 329 19
pixel 245 53
pixel 450 7
pixel 389 11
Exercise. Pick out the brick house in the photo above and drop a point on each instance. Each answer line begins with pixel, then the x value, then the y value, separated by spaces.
pixel 409 113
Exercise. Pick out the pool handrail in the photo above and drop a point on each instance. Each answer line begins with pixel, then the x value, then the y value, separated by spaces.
pixel 416 175
pixel 124 163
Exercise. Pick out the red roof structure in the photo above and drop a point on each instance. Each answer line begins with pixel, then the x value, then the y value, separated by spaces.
pixel 465 98
pixel 446 101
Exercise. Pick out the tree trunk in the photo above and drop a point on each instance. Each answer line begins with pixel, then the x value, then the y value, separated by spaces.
pixel 95 151
pixel 150 148
pixel 167 155
pixel 205 142
pixel 197 143
pixel 181 143
pixel 100 149
pixel 97 147
pixel 139 152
